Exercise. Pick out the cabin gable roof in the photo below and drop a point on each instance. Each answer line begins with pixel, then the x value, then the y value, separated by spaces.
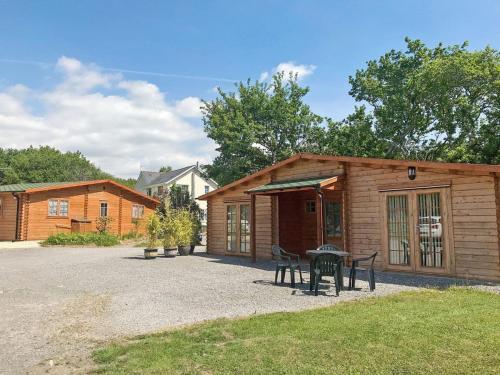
pixel 481 168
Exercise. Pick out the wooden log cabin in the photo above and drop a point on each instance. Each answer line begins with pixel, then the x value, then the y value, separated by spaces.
pixel 423 217
pixel 34 211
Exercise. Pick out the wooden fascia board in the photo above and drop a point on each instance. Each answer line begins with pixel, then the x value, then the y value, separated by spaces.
pixel 406 163
pixel 90 183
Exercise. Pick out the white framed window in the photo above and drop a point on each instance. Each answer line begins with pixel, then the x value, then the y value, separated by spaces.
pixel 63 208
pixel 184 188
pixel 53 207
pixel 310 207
pixel 137 211
pixel 203 215
pixel 103 209
pixel 148 191
pixel 207 189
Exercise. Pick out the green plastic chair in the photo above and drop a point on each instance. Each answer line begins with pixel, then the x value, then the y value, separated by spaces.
pixel 286 261
pixel 326 265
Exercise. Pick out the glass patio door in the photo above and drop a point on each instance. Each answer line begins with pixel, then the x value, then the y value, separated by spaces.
pixel 415 230
pixel 429 231
pixel 238 228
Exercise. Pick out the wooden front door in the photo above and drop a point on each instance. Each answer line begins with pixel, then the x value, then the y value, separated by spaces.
pixel 416 230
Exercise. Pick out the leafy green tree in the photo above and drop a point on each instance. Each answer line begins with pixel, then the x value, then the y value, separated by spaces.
pixel 434 103
pixel 46 164
pixel 259 124
pixel 166 168
pixel 354 136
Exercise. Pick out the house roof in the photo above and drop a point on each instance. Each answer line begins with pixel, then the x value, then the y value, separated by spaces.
pixel 165 177
pixel 484 168
pixel 157 178
pixel 314 182
pixel 23 186
pixel 35 187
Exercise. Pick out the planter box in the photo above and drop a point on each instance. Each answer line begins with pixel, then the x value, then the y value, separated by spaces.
pixel 184 250
pixel 170 253
pixel 150 253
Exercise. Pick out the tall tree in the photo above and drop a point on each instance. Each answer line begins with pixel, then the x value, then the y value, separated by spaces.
pixel 259 124
pixel 354 136
pixel 434 103
pixel 46 164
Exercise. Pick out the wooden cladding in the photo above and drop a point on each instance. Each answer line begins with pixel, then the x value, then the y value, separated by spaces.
pixel 468 202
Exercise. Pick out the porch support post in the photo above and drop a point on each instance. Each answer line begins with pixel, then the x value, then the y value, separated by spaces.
pixel 320 218
pixel 252 228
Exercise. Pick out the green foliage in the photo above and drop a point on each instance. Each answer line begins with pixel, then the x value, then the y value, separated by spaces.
pixel 434 103
pixel 258 125
pixel 183 227
pixel 132 235
pixel 167 215
pixel 354 136
pixel 427 332
pixel 46 164
pixel 153 228
pixel 166 168
pixel 175 199
pixel 103 223
pixel 75 239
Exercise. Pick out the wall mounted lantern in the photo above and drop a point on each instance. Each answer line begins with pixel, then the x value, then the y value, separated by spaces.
pixel 412 173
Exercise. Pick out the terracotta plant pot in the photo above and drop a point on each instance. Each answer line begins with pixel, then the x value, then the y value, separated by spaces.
pixel 184 249
pixel 150 253
pixel 170 252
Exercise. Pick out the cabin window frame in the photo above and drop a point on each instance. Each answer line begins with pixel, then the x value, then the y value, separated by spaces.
pixel 137 211
pixel 101 207
pixel 59 207
pixel 52 211
pixel 337 219
pixel 310 206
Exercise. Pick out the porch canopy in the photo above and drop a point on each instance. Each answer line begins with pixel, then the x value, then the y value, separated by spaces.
pixel 317 188
pixel 316 183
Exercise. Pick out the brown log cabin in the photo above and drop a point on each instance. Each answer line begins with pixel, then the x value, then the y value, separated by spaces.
pixel 34 211
pixel 424 217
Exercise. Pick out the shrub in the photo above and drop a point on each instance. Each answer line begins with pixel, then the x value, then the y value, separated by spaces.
pixel 97 239
pixel 102 223
pixel 183 227
pixel 132 235
pixel 153 227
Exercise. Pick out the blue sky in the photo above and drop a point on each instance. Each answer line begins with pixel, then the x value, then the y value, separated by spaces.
pixel 212 42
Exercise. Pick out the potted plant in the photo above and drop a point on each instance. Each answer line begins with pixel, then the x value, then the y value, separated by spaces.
pixel 196 236
pixel 168 237
pixel 153 227
pixel 183 227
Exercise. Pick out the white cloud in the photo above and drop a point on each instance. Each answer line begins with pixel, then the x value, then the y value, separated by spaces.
pixel 118 124
pixel 264 76
pixel 301 70
pixel 189 107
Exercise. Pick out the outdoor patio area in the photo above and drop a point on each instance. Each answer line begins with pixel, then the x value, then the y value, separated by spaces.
pixel 59 303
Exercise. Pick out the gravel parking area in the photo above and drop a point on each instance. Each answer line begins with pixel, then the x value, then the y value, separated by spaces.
pixel 57 304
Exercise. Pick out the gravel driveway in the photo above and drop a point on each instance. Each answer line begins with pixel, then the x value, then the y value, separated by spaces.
pixel 57 304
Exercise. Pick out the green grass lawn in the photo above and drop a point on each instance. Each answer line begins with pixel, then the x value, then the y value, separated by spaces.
pixel 456 331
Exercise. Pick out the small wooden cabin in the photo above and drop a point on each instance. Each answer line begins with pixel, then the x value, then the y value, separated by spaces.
pixel 426 217
pixel 34 211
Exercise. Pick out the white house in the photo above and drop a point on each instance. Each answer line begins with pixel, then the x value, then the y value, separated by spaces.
pixel 188 178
